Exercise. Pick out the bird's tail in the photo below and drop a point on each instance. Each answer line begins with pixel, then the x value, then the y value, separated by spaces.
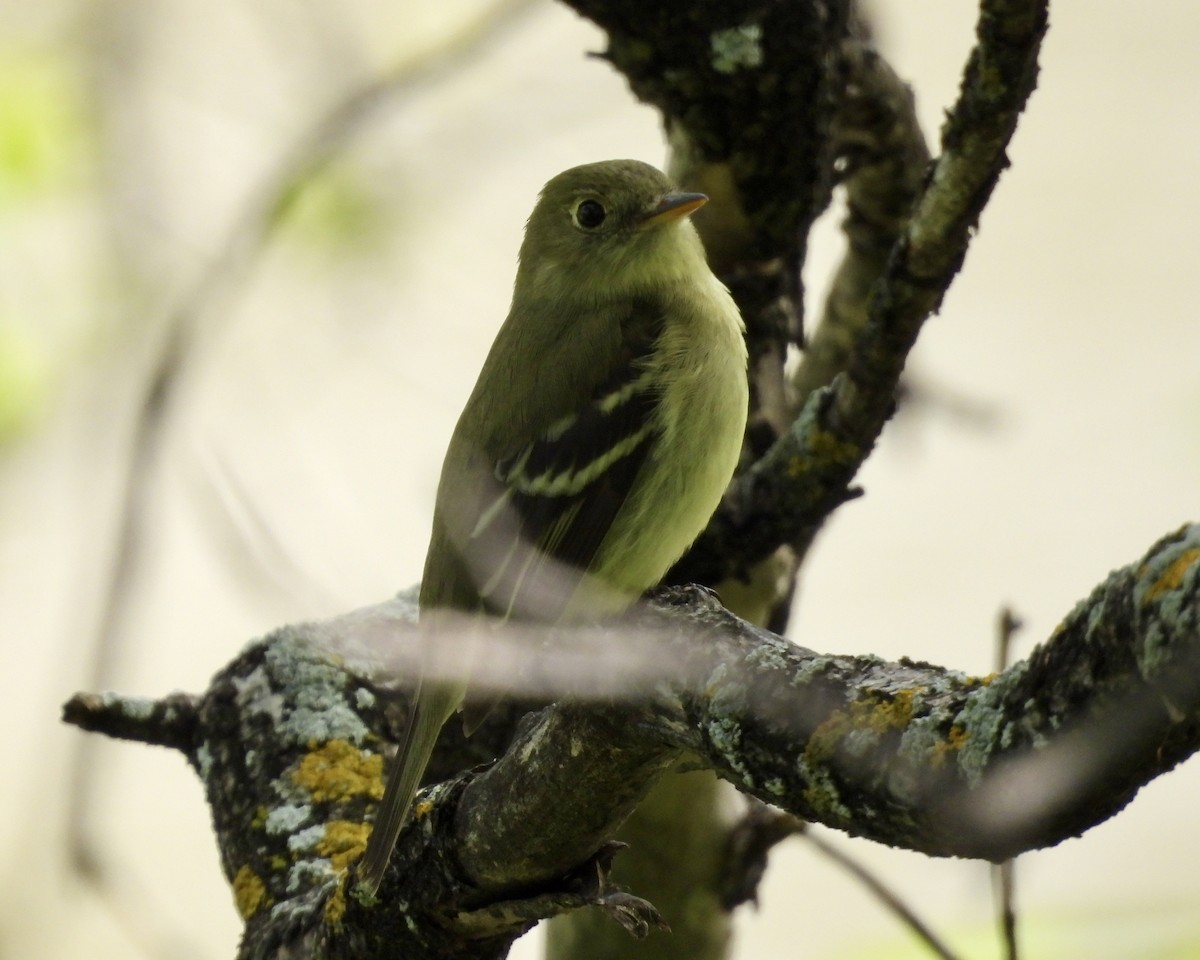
pixel 432 705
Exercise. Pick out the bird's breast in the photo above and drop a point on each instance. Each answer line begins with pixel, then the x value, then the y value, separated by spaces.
pixel 701 419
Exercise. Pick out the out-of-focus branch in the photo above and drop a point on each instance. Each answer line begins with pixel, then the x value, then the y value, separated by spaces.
pixel 1004 874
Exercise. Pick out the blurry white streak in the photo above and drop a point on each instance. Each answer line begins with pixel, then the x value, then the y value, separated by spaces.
pixel 1022 792
pixel 511 572
pixel 245 536
pixel 516 658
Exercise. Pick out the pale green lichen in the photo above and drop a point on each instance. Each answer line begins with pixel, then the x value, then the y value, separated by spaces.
pixel 768 656
pixel 317 871
pixel 364 699
pixel 737 48
pixel 136 708
pixel 287 818
pixel 306 839
pixel 814 668
pixel 319 710
pixel 204 761
pixel 726 736
pixel 256 696
pixel 985 728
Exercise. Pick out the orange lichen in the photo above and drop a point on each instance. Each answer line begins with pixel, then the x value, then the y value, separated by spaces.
pixel 1172 577
pixel 343 843
pixel 337 770
pixel 956 739
pixel 876 714
pixel 888 714
pixel 249 892
pixel 335 908
pixel 823 447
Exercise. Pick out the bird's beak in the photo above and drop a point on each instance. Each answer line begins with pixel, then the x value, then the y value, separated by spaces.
pixel 672 207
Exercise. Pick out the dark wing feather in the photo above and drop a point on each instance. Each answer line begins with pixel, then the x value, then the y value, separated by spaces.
pixel 564 488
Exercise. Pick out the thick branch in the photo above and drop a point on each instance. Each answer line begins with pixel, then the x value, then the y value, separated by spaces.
pixel 918 756
pixel 289 741
pixel 542 801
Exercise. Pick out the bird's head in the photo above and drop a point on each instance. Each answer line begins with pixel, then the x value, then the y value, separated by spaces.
pixel 609 229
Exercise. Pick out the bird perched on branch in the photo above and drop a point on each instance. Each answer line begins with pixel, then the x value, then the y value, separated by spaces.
pixel 602 432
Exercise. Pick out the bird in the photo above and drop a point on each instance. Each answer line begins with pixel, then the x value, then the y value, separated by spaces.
pixel 600 436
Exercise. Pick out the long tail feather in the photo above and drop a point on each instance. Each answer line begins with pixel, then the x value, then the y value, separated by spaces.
pixel 433 703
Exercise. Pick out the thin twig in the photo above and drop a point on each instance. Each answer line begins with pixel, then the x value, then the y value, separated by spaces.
pixel 882 892
pixel 1004 875
pixel 1004 878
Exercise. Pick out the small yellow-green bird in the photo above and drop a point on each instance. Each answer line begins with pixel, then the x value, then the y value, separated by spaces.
pixel 602 432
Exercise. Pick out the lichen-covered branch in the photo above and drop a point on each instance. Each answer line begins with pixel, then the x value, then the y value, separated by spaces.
pixel 167 722
pixel 290 737
pixel 923 757
pixel 813 464
pixel 883 160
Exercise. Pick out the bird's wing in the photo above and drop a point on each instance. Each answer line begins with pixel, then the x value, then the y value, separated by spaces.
pixel 562 490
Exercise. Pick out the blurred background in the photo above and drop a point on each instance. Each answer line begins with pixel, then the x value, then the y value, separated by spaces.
pixel 315 207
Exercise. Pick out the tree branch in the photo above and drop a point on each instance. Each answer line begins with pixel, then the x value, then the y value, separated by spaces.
pixel 808 472
pixel 918 756
pixel 289 742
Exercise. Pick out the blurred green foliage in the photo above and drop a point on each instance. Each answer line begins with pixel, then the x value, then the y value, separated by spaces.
pixel 42 141
pixel 23 381
pixel 333 210
pixel 41 125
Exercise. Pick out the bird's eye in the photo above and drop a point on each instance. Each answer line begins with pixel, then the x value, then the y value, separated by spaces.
pixel 589 214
